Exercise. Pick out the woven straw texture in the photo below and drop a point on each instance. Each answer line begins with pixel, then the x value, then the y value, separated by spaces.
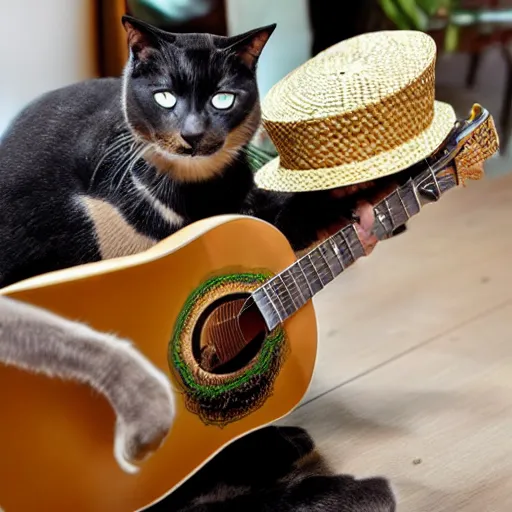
pixel 362 109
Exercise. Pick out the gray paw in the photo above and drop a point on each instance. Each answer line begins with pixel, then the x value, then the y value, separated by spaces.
pixel 145 413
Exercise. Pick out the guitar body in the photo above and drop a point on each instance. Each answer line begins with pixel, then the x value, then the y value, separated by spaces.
pixel 57 437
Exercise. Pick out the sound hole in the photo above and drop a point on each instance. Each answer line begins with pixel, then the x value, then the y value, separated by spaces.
pixel 228 335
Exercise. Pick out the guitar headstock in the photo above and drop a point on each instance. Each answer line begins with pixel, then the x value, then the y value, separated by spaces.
pixel 475 141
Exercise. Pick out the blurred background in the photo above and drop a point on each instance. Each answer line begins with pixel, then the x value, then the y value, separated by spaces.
pixel 57 42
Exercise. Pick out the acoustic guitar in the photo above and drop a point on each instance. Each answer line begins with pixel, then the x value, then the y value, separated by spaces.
pixel 224 308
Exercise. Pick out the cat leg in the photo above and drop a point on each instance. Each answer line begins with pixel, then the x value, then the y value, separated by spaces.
pixel 274 453
pixel 276 469
pixel 39 341
pixel 340 493
pixel 307 218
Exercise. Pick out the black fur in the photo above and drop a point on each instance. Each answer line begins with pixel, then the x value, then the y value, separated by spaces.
pixel 276 469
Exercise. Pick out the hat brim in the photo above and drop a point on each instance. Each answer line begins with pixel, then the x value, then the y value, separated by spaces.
pixel 273 176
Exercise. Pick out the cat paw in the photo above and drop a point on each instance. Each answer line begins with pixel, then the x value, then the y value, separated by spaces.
pixel 364 215
pixel 364 227
pixel 145 419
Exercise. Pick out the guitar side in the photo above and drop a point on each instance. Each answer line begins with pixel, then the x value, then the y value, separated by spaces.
pixel 58 436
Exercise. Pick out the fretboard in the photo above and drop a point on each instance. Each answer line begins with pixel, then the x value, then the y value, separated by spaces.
pixel 288 291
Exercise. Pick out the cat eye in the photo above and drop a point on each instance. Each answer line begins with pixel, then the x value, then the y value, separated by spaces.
pixel 165 99
pixel 223 100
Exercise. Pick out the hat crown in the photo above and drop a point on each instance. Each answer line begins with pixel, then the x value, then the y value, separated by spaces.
pixel 350 76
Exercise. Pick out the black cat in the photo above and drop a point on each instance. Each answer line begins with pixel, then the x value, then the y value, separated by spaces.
pixel 108 167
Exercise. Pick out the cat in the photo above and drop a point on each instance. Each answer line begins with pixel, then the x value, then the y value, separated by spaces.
pixel 276 468
pixel 36 340
pixel 108 167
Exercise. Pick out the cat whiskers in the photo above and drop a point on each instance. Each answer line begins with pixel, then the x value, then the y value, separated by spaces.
pixel 129 159
pixel 117 144
pixel 124 161
pixel 129 168
pixel 119 164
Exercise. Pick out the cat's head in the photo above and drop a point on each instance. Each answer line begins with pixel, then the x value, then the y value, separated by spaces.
pixel 192 97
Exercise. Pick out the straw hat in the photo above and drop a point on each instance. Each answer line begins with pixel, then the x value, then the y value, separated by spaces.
pixel 360 110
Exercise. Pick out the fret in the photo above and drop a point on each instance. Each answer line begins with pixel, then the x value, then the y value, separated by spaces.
pixel 293 288
pixel 343 248
pixel 399 214
pixel 316 273
pixel 275 304
pixel 389 213
pixel 323 249
pixel 447 179
pixel 436 183
pixel 322 267
pixel 354 244
pixel 409 199
pixel 339 257
pixel 267 308
pixel 382 217
pixel 431 185
pixel 274 297
pixel 329 254
pixel 428 187
pixel 282 294
pixel 395 210
pixel 299 277
pixel 311 275
pixel 349 247
pixel 416 193
pixel 379 228
pixel 403 204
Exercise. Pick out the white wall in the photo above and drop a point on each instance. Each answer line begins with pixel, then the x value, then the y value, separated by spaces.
pixel 289 46
pixel 45 44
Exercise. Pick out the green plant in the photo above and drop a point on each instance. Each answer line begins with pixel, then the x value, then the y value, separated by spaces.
pixel 417 15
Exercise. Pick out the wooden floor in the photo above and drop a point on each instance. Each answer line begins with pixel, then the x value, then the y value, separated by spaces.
pixel 414 376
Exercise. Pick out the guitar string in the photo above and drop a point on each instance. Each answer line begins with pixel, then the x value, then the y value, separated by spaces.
pixel 315 273
pixel 318 272
pixel 325 272
pixel 291 296
pixel 322 273
pixel 418 182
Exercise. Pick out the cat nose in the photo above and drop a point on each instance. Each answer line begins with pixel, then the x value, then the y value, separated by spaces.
pixel 192 138
pixel 193 130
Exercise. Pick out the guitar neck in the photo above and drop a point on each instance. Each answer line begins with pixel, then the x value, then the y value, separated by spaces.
pixel 288 291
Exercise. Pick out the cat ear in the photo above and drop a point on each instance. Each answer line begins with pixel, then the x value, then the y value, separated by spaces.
pixel 144 38
pixel 248 46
